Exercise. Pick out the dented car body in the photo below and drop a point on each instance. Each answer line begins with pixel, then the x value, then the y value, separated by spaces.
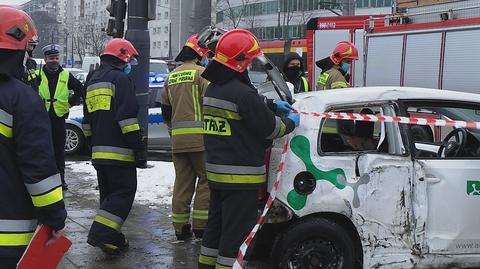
pixel 377 194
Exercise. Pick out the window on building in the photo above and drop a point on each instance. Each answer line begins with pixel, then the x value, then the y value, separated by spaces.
pixel 159 16
pixel 166 15
pixel 166 2
pixel 166 29
pixel 165 44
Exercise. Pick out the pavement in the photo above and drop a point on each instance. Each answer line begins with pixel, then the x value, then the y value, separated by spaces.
pixel 148 228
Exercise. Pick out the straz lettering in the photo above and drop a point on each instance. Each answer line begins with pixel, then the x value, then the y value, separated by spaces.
pixel 181 77
pixel 216 126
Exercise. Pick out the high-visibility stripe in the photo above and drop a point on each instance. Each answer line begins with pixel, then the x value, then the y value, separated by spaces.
pixel 129 125
pixel 219 103
pixel 45 185
pixel 6 118
pixel 200 214
pixel 48 198
pixel 305 84
pixel 220 266
pixel 235 169
pixel 6 131
pixel 180 218
pixel 218 112
pixel 207 260
pixel 113 153
pixel 236 179
pixel 108 219
pixel 196 103
pixel 187 127
pixel 100 85
pixel 209 251
pixel 8 225
pixel 340 84
pixel 225 261
pixel 279 130
pixel 17 239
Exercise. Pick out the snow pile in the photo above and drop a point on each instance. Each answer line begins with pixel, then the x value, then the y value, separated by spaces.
pixel 155 184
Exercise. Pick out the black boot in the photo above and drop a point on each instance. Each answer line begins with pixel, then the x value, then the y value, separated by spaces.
pixel 186 232
pixel 198 233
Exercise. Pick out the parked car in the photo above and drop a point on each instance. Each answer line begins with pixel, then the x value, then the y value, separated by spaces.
pixel 356 194
pixel 158 137
pixel 158 74
pixel 81 76
pixel 74 71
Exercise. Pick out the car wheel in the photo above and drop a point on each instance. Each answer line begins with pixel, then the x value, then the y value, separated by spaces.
pixel 314 243
pixel 74 140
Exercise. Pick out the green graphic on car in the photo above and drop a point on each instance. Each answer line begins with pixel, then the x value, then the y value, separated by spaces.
pixel 300 146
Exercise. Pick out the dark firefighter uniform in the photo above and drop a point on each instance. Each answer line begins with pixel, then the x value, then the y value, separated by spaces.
pixel 181 107
pixel 238 126
pixel 111 125
pixel 54 88
pixel 30 191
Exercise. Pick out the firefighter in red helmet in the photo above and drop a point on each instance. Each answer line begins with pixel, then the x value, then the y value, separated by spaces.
pixel 111 126
pixel 181 101
pixel 30 184
pixel 335 68
pixel 237 125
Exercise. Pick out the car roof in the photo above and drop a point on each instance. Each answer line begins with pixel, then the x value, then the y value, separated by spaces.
pixel 157 61
pixel 373 94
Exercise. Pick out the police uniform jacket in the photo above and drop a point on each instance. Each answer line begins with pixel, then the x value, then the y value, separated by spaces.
pixel 238 125
pixel 182 107
pixel 110 116
pixel 30 185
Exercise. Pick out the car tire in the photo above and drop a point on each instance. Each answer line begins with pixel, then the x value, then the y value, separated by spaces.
pixel 314 243
pixel 74 139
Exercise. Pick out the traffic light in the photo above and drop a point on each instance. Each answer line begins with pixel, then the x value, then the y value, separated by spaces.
pixel 117 9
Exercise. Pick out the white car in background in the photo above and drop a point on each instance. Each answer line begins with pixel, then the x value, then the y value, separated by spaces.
pixel 158 137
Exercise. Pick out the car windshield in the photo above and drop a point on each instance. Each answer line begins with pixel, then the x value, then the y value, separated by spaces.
pixel 159 68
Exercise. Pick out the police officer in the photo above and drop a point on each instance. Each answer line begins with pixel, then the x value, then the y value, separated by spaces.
pixel 30 185
pixel 181 108
pixel 54 85
pixel 335 68
pixel 237 124
pixel 110 124
pixel 294 72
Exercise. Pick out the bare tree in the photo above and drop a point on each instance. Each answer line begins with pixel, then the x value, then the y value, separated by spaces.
pixel 88 38
pixel 235 15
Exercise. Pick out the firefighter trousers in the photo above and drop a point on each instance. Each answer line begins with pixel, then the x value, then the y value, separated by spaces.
pixel 232 215
pixel 9 263
pixel 58 139
pixel 117 185
pixel 190 178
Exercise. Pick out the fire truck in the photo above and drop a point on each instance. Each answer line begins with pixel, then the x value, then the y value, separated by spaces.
pixel 432 46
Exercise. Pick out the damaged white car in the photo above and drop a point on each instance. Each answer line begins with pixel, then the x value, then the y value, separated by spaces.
pixel 357 194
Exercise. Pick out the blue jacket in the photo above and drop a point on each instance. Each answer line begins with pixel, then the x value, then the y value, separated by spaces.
pixel 30 185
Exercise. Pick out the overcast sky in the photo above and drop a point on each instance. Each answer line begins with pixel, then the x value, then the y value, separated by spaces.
pixel 13 2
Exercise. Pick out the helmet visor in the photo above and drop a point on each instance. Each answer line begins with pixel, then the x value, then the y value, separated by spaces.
pixel 279 83
pixel 134 61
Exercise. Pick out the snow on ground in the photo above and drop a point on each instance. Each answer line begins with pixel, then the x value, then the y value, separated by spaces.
pixel 155 184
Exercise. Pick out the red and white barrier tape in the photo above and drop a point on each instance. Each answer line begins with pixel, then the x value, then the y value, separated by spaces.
pixel 406 120
pixel 340 116
pixel 243 249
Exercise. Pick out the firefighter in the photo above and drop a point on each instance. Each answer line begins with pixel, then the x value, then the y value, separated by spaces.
pixel 237 126
pixel 54 85
pixel 335 68
pixel 294 72
pixel 30 185
pixel 181 108
pixel 31 65
pixel 111 126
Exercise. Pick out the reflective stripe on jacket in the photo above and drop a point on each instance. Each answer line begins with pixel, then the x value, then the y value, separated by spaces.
pixel 60 98
pixel 331 79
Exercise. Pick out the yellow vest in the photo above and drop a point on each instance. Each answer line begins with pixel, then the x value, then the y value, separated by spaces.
pixel 60 99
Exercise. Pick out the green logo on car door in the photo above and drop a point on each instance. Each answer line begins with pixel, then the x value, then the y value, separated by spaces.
pixel 473 187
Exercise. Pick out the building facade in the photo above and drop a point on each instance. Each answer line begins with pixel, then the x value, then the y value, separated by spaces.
pixel 285 19
pixel 160 31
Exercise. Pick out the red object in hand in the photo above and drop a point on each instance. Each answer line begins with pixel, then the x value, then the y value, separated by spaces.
pixel 39 255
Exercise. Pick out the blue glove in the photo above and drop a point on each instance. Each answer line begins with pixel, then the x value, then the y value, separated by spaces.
pixel 295 117
pixel 283 106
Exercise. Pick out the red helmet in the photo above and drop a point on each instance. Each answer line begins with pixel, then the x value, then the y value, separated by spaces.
pixel 344 50
pixel 16 29
pixel 192 42
pixel 236 49
pixel 120 48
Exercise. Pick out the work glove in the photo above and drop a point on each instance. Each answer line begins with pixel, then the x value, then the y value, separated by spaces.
pixel 295 117
pixel 283 106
